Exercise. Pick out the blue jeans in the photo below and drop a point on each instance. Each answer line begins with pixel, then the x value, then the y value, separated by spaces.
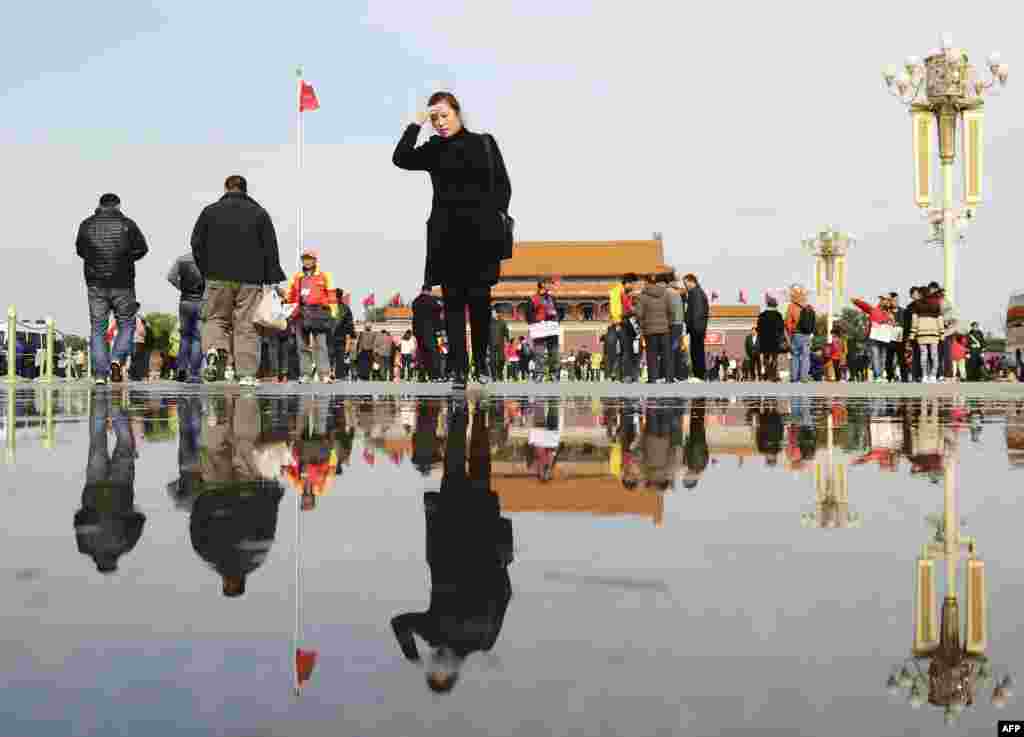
pixel 103 301
pixel 800 364
pixel 190 355
pixel 878 350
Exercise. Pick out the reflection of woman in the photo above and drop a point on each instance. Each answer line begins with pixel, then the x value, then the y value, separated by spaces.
pixel 465 236
pixel 695 452
pixel 469 548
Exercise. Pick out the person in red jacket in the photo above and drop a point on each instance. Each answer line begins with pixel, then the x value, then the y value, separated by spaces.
pixel 879 334
pixel 958 351
pixel 316 307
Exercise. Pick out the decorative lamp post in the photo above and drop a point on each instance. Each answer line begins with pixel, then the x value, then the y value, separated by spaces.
pixel 946 91
pixel 829 248
pixel 831 493
pixel 945 669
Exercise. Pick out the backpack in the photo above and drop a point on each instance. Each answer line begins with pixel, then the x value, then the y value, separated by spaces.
pixel 806 324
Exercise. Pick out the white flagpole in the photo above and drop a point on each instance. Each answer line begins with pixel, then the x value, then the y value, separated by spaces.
pixel 298 154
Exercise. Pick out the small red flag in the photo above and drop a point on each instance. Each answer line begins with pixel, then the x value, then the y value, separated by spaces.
pixel 305 661
pixel 743 297
pixel 714 296
pixel 369 301
pixel 307 98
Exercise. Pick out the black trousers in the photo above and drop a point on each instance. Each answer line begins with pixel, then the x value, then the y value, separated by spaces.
pixel 697 359
pixel 478 299
pixel 659 358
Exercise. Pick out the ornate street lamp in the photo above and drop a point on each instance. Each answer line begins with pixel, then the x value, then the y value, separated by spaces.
pixel 956 666
pixel 946 89
pixel 829 248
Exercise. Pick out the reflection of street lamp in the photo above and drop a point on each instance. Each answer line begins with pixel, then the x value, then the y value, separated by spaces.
pixel 946 88
pixel 829 249
pixel 831 495
pixel 956 667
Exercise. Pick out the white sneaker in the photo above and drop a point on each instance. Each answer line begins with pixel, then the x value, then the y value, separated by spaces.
pixel 247 381
pixel 695 380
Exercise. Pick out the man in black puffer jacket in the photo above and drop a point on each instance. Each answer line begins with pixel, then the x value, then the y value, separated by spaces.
pixel 235 248
pixel 109 244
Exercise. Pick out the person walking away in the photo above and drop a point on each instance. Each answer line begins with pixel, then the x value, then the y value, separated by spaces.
pixel 541 314
pixel 364 352
pixel 426 320
pixel 185 276
pixel 500 337
pixel 976 345
pixel 697 314
pixel 525 358
pixel 654 311
pixel 466 230
pixel 344 332
pixel 677 326
pixel 771 332
pixel 926 330
pixel 235 248
pixel 109 244
pixel 801 320
pixel 312 292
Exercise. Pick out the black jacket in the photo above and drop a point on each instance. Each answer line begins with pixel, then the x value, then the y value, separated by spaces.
pixel 696 310
pixel 771 332
pixel 187 279
pixel 234 240
pixel 426 315
pixel 464 232
pixel 110 243
pixel 346 325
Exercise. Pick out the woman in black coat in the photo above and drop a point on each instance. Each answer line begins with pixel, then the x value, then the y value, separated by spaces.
pixel 771 338
pixel 465 234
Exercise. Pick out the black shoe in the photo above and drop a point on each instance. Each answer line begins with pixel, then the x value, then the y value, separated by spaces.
pixel 116 374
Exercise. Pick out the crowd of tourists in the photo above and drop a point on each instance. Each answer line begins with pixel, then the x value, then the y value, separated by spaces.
pixel 242 319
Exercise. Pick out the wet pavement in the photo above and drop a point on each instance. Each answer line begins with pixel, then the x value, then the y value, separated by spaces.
pixel 257 565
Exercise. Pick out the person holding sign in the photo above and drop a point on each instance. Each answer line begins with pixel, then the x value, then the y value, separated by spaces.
pixel 542 316
pixel 879 334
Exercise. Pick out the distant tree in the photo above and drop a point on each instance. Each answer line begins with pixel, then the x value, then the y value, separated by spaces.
pixel 995 343
pixel 75 342
pixel 159 326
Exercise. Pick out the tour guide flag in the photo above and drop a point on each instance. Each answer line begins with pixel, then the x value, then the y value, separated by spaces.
pixel 307 98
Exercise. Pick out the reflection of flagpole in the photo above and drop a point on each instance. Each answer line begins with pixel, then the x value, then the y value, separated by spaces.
pixel 298 591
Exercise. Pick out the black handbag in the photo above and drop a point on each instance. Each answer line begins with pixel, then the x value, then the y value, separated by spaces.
pixel 316 318
pixel 506 222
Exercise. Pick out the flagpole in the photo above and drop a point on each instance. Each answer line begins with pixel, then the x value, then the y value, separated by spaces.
pixel 298 156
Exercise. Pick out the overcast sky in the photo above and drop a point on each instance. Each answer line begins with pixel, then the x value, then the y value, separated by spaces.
pixel 733 128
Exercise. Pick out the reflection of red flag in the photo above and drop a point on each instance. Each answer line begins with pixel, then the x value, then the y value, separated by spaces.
pixel 305 661
pixel 396 457
pixel 368 456
pixel 307 98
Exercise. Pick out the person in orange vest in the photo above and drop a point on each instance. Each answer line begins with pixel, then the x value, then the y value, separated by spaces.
pixel 312 292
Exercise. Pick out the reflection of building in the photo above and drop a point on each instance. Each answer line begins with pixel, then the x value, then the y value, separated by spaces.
pixel 1015 438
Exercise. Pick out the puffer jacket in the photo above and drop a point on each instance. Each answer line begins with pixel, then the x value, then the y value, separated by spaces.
pixel 110 243
pixel 653 310
pixel 187 279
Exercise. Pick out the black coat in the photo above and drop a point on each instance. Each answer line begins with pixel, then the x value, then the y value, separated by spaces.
pixel 345 326
pixel 234 240
pixel 426 315
pixel 771 332
pixel 110 243
pixel 697 310
pixel 464 233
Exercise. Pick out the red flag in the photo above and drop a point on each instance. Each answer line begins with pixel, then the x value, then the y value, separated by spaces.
pixel 305 661
pixel 396 300
pixel 369 301
pixel 743 297
pixel 307 98
pixel 714 296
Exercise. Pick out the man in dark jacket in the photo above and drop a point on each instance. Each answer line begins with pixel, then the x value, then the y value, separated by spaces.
pixel 697 314
pixel 654 311
pixel 187 279
pixel 426 319
pixel 500 336
pixel 976 344
pixel 344 330
pixel 235 248
pixel 109 244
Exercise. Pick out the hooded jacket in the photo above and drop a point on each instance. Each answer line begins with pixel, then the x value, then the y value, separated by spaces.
pixel 187 279
pixel 109 244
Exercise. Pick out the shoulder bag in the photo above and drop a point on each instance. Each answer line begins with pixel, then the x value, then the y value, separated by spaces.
pixel 506 221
